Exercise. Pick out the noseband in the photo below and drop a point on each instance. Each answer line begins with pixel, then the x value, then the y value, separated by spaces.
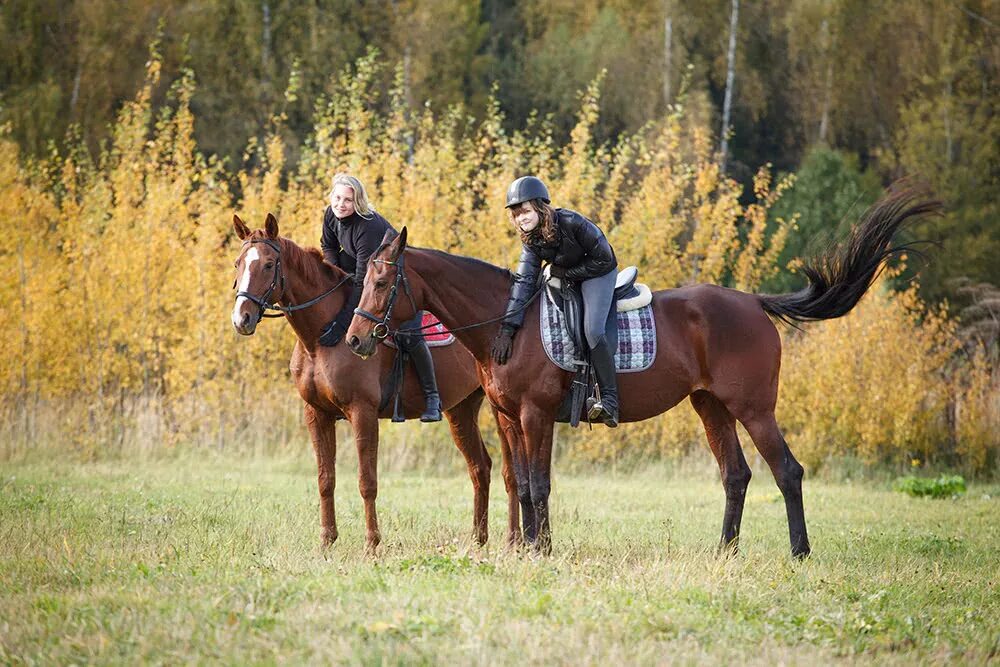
pixel 264 302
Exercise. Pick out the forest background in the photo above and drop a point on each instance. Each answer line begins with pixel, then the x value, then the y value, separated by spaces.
pixel 133 130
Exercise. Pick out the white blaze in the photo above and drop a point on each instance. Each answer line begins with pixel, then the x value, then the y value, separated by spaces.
pixel 244 284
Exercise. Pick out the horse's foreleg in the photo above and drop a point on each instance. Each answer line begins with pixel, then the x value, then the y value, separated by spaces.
pixel 463 420
pixel 720 428
pixel 364 422
pixel 522 477
pixel 508 433
pixel 787 474
pixel 536 429
pixel 322 430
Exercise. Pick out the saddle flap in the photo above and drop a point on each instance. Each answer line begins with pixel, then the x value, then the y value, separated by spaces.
pixel 568 301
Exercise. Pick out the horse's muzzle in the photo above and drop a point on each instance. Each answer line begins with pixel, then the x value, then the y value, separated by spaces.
pixel 363 347
pixel 244 323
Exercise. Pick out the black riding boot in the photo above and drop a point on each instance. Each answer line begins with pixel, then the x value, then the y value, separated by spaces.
pixel 424 365
pixel 606 409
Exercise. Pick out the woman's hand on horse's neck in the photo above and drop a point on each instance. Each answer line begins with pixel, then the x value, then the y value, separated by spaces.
pixel 441 284
pixel 308 323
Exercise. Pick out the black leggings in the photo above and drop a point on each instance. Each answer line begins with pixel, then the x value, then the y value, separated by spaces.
pixel 600 313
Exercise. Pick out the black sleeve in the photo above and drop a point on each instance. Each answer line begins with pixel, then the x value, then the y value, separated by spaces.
pixel 367 240
pixel 524 285
pixel 328 241
pixel 600 256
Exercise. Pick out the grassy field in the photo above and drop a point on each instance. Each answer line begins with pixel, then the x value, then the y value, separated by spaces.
pixel 213 561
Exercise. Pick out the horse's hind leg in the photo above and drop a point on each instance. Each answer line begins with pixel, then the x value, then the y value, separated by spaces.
pixel 323 431
pixel 463 420
pixel 720 428
pixel 787 474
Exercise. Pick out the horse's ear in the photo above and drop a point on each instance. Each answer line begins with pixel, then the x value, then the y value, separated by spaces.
pixel 241 228
pixel 402 240
pixel 388 237
pixel 271 226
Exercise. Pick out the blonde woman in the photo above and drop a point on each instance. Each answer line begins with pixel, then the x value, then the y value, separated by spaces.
pixel 352 231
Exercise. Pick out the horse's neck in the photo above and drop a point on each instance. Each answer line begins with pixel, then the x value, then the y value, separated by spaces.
pixel 308 323
pixel 460 293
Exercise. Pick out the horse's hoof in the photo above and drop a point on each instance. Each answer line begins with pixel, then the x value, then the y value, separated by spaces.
pixel 728 549
pixel 329 536
pixel 514 539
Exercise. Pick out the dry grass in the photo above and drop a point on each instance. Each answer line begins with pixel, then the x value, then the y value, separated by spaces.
pixel 218 561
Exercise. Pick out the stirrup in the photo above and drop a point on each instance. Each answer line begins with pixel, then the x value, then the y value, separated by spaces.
pixel 597 414
pixel 594 409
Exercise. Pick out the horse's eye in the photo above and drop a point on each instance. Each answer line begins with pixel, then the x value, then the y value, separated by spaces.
pixel 379 284
pixel 269 265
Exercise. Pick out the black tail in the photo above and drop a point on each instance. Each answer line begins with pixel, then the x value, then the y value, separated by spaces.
pixel 839 279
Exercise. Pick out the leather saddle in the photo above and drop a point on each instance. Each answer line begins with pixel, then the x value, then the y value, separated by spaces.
pixel 568 299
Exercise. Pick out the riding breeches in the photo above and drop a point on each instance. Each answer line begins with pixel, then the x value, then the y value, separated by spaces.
pixel 600 321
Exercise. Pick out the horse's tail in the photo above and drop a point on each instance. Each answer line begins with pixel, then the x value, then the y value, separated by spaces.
pixel 839 278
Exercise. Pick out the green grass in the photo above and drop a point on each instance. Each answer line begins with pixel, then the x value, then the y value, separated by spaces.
pixel 209 561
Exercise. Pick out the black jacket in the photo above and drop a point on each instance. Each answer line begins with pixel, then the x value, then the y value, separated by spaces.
pixel 581 249
pixel 348 244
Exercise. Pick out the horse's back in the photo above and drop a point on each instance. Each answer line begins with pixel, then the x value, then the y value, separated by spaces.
pixel 731 341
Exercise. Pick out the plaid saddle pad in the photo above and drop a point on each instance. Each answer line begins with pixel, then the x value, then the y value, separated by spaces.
pixel 636 339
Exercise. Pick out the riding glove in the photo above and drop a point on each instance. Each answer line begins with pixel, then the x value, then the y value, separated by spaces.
pixel 502 344
pixel 332 334
pixel 336 329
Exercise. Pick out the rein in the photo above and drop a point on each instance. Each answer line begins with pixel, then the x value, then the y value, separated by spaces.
pixel 264 302
pixel 382 330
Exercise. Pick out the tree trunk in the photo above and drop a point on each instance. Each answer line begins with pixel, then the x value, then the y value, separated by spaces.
pixel 730 75
pixel 668 36
pixel 824 119
pixel 265 45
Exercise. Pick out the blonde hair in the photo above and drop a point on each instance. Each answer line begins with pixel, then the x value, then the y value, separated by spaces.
pixel 361 203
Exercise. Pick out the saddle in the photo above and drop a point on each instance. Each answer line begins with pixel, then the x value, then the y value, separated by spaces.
pixel 568 299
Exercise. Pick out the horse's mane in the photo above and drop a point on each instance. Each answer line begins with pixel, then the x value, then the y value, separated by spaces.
pixel 309 263
pixel 471 263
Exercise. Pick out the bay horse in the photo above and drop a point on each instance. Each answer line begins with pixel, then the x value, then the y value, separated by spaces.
pixel 716 345
pixel 335 384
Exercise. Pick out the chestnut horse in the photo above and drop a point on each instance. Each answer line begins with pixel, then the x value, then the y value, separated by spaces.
pixel 336 384
pixel 716 345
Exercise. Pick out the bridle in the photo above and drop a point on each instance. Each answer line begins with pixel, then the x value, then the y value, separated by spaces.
pixel 264 302
pixel 382 330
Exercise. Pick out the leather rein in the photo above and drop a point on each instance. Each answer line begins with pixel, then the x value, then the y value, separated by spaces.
pixel 264 302
pixel 382 330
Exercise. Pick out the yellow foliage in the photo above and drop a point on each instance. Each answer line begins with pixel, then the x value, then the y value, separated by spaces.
pixel 872 383
pixel 116 285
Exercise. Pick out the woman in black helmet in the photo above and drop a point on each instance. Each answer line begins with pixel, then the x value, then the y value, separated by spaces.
pixel 576 250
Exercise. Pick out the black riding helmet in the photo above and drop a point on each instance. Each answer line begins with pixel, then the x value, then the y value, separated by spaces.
pixel 525 189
